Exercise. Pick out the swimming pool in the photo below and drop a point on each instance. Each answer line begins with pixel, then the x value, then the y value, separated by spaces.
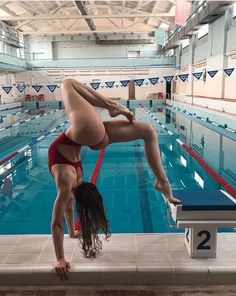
pixel 125 179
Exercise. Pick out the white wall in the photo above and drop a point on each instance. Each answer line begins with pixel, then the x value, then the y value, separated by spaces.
pixel 42 78
pixel 210 53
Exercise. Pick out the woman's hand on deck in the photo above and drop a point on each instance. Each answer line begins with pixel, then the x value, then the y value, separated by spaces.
pixel 62 268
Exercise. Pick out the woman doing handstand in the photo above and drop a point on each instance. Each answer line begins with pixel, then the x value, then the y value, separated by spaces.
pixel 87 128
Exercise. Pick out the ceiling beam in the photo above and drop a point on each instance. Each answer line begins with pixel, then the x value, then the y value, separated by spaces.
pixel 76 32
pixel 3 3
pixel 101 16
pixel 81 6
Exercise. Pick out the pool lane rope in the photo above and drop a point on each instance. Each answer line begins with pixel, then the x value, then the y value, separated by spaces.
pixel 205 119
pixel 27 120
pixel 32 142
pixel 210 170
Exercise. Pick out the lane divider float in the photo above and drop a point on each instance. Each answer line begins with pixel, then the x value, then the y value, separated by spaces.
pixel 27 120
pixel 32 142
pixel 206 119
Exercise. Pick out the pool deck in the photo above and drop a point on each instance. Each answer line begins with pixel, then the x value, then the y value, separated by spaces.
pixel 127 259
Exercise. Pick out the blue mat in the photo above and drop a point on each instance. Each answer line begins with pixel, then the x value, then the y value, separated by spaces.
pixel 204 200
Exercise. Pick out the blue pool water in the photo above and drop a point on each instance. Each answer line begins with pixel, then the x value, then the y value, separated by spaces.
pixel 125 179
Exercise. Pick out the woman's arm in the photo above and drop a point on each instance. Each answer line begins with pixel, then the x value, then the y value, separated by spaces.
pixel 69 216
pixel 61 202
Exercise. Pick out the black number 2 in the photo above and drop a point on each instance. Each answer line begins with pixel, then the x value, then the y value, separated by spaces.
pixel 202 245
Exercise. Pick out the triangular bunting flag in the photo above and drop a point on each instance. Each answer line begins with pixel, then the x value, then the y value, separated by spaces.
pixel 168 78
pixel 139 82
pixel 147 83
pixel 124 82
pixel 229 71
pixel 37 87
pixel 95 85
pixel 183 77
pixel 52 87
pixel 212 73
pixel 153 80
pixel 110 84
pixel 102 86
pixel 197 75
pixel 7 89
pixel 21 87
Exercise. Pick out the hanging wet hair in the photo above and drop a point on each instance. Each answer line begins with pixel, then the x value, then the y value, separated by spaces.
pixel 89 206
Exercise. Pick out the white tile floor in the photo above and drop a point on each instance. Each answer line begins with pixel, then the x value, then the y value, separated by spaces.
pixel 138 259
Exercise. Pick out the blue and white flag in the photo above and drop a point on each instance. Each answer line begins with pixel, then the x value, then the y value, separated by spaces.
pixel 229 71
pixel 168 78
pixel 95 85
pixel 110 84
pixel 7 89
pixel 183 77
pixel 139 82
pixel 37 87
pixel 212 73
pixel 197 75
pixel 124 83
pixel 154 80
pixel 52 87
pixel 21 87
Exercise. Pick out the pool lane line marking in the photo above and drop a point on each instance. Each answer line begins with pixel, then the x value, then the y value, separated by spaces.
pixel 212 172
pixel 207 168
pixel 14 154
pixel 27 120
pixel 93 179
pixel 223 126
pixel 97 166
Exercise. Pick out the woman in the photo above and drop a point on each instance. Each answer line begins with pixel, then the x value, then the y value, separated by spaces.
pixel 87 128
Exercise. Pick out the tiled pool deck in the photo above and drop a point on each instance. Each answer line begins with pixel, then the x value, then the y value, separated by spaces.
pixel 127 259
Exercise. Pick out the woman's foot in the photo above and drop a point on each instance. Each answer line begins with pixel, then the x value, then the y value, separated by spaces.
pixel 118 109
pixel 164 187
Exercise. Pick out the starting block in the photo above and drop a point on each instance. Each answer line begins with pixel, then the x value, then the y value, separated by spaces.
pixel 201 212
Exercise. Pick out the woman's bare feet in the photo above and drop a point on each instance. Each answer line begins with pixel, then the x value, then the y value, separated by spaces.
pixel 118 109
pixel 164 187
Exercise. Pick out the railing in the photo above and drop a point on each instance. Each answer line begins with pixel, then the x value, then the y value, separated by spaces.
pixel 157 61
pixel 8 61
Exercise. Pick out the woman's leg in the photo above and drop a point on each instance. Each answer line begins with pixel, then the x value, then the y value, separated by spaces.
pixel 86 124
pixel 123 131
pixel 98 100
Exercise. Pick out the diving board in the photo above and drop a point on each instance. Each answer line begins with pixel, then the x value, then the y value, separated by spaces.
pixel 201 212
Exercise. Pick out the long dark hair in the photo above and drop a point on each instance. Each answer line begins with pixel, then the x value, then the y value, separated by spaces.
pixel 89 206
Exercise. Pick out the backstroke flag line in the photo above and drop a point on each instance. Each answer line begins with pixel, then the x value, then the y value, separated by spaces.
pixel 182 11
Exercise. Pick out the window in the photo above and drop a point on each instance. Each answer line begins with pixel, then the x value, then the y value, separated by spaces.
pixel 185 43
pixel 234 10
pixel 203 31
pixel 134 54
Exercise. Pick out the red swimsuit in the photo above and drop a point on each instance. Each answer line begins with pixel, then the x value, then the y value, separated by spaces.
pixel 54 156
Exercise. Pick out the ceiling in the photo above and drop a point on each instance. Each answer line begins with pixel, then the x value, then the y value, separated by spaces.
pixel 87 17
